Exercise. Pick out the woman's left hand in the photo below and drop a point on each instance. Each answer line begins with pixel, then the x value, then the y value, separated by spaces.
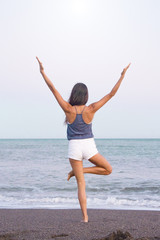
pixel 40 65
pixel 125 69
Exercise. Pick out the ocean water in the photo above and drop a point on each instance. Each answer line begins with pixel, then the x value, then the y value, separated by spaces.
pixel 33 174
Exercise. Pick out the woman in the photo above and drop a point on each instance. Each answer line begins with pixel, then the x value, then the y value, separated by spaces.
pixel 79 133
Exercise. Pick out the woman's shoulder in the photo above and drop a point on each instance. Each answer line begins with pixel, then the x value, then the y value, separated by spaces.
pixel 88 114
pixel 89 108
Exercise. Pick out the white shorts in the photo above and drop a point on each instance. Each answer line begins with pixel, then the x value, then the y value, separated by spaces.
pixel 80 149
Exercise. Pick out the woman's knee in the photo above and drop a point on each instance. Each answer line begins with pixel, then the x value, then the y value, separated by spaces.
pixel 109 170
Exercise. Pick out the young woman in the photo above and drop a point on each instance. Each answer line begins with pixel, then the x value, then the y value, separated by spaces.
pixel 79 133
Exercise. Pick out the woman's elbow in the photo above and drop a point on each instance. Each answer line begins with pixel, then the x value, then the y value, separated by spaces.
pixel 112 93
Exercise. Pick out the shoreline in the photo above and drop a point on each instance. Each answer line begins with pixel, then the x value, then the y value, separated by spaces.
pixel 77 208
pixel 42 224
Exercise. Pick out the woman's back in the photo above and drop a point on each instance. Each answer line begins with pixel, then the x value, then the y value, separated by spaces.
pixel 78 128
pixel 86 112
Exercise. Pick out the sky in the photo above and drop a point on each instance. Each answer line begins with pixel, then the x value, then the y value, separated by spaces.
pixel 88 41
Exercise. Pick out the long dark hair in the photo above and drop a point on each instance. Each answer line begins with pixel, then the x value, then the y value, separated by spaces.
pixel 79 95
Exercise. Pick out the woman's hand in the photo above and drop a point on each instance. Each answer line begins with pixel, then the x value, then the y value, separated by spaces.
pixel 40 65
pixel 125 69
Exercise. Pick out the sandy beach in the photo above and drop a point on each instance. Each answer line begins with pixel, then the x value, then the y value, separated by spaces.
pixel 43 224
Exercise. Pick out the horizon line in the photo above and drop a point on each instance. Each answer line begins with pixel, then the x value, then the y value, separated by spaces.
pixel 66 138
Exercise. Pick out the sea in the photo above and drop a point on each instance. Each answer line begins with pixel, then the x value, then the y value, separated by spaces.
pixel 33 174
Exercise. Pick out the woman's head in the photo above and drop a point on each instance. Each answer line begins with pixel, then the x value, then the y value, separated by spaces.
pixel 79 95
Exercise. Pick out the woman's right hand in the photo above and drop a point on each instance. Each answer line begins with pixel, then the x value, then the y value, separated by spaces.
pixel 125 69
pixel 40 65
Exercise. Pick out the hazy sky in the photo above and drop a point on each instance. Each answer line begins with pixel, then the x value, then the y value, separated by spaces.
pixel 88 41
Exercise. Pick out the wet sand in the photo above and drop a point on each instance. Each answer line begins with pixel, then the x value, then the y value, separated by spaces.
pixel 48 224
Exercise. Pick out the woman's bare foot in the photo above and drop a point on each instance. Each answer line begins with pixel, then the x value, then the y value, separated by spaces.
pixel 85 219
pixel 70 174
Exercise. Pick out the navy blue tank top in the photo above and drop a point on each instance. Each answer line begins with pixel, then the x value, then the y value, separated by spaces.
pixel 79 129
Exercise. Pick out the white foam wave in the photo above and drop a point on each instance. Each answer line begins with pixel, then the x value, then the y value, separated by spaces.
pixel 69 202
pixel 120 202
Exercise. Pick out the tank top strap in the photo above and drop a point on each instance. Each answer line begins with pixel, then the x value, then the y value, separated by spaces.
pixel 83 109
pixel 75 109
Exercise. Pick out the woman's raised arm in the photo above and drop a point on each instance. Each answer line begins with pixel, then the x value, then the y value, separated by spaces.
pixel 97 105
pixel 64 105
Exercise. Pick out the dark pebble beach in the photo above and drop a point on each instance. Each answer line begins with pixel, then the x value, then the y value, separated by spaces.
pixel 60 224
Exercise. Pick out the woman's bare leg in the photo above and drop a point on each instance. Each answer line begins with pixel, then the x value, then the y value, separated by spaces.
pixel 102 166
pixel 77 167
